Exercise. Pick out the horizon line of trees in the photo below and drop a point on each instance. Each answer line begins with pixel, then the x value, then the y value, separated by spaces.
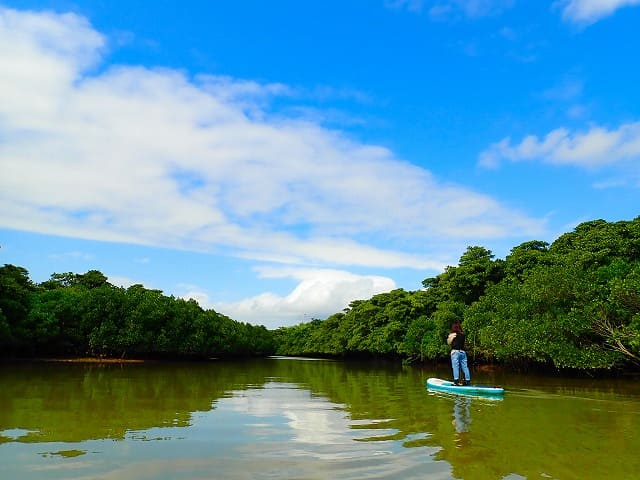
pixel 83 314
pixel 574 303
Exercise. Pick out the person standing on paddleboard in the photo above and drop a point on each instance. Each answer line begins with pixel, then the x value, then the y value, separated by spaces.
pixel 458 355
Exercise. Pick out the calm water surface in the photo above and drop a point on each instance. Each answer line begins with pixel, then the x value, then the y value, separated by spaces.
pixel 308 419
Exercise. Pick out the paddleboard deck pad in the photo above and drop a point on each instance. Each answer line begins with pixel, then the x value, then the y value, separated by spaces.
pixel 441 385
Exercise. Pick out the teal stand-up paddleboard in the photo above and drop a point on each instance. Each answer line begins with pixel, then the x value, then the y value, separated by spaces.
pixel 439 385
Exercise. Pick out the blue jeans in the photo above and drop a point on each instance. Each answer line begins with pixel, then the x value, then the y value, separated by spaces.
pixel 458 361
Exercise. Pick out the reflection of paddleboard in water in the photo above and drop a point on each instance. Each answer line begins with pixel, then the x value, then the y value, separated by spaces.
pixel 447 386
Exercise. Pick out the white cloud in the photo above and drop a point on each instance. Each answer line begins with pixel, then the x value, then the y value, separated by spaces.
pixel 586 12
pixel 192 292
pixel 150 156
pixel 121 281
pixel 598 147
pixel 319 293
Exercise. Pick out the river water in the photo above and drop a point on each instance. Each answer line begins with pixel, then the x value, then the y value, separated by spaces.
pixel 308 419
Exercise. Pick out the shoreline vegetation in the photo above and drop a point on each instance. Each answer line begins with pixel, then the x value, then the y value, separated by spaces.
pixel 91 360
pixel 572 305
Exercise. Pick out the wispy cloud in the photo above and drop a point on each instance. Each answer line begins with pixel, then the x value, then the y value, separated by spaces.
pixel 579 12
pixel 151 156
pixel 410 5
pixel 586 12
pixel 567 90
pixel 75 255
pixel 567 95
pixel 444 9
pixel 594 148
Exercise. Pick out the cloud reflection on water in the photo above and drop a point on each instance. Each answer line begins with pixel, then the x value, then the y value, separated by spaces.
pixel 308 435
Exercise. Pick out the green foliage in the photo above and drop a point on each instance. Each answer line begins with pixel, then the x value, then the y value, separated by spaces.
pixel 525 257
pixel 15 297
pixel 467 282
pixel 77 315
pixel 374 327
pixel 572 304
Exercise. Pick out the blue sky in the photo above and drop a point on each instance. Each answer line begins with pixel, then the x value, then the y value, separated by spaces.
pixel 277 160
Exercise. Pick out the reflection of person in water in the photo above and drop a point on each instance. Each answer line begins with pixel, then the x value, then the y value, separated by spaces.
pixel 462 413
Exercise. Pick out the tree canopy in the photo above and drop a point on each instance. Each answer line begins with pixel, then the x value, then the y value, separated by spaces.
pixel 574 303
pixel 83 314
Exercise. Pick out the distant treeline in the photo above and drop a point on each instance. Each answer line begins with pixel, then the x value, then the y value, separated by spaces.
pixel 574 304
pixel 84 315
